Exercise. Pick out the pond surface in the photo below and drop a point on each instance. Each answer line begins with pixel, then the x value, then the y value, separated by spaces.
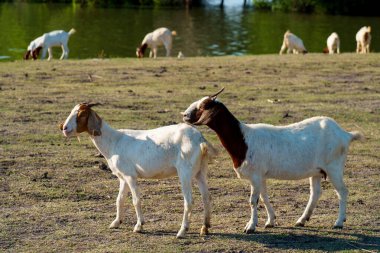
pixel 206 31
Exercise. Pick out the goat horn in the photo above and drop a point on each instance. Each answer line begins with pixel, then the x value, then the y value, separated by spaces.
pixel 216 94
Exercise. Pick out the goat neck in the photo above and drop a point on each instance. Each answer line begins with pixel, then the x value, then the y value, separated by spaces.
pixel 106 141
pixel 228 129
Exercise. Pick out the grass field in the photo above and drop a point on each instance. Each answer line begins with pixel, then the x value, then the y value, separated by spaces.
pixel 56 196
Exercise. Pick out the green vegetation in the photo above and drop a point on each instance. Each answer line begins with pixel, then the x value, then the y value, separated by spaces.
pixel 56 196
pixel 118 3
pixel 341 7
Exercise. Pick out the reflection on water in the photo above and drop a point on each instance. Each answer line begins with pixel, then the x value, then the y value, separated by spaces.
pixel 232 30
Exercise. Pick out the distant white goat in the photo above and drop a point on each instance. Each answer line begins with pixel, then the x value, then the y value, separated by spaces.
pixel 45 42
pixel 313 148
pixel 157 153
pixel 293 44
pixel 333 43
pixel 159 37
pixel 180 55
pixel 363 40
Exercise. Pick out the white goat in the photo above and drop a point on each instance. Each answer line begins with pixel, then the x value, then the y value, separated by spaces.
pixel 313 148
pixel 333 43
pixel 45 42
pixel 159 37
pixel 293 44
pixel 363 40
pixel 157 153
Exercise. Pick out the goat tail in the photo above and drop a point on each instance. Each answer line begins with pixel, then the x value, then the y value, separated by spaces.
pixel 356 135
pixel 174 33
pixel 208 150
pixel 72 31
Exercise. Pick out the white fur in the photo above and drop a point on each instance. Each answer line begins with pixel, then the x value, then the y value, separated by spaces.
pixel 159 37
pixel 333 43
pixel 292 43
pixel 306 149
pixel 158 153
pixel 362 44
pixel 58 38
pixel 294 152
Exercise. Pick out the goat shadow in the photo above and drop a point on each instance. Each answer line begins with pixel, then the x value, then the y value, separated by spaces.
pixel 300 239
pixel 305 239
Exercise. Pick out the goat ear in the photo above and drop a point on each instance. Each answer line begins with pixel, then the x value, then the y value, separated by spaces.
pixel 213 97
pixel 93 104
pixel 94 124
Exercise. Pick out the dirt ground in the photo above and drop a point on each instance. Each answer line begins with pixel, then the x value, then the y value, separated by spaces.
pixel 56 196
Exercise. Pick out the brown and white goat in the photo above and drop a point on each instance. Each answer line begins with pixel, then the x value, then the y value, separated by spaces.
pixel 46 42
pixel 333 43
pixel 157 153
pixel 292 44
pixel 313 148
pixel 159 37
pixel 363 40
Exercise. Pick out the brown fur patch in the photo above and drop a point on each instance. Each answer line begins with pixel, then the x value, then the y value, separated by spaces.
pixel 216 116
pixel 141 50
pixel 27 55
pixel 88 120
pixel 366 37
pixel 36 53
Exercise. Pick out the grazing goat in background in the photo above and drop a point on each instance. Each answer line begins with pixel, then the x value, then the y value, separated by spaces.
pixel 333 44
pixel 293 44
pixel 45 43
pixel 313 148
pixel 363 40
pixel 159 37
pixel 156 153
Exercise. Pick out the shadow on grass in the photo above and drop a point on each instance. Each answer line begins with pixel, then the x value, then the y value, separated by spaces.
pixel 310 239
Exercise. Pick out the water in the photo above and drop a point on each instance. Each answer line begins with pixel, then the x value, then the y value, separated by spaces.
pixel 208 31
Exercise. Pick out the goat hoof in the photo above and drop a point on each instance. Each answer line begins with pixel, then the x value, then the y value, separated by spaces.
pixel 269 226
pixel 299 224
pixel 115 224
pixel 204 231
pixel 249 231
pixel 180 235
pixel 137 229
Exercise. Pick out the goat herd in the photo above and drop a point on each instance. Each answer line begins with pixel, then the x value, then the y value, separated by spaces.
pixel 315 148
pixel 295 45
pixel 163 37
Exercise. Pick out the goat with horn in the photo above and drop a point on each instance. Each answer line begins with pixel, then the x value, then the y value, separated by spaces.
pixel 313 148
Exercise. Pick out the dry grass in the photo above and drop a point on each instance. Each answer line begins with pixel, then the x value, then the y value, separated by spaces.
pixel 54 196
